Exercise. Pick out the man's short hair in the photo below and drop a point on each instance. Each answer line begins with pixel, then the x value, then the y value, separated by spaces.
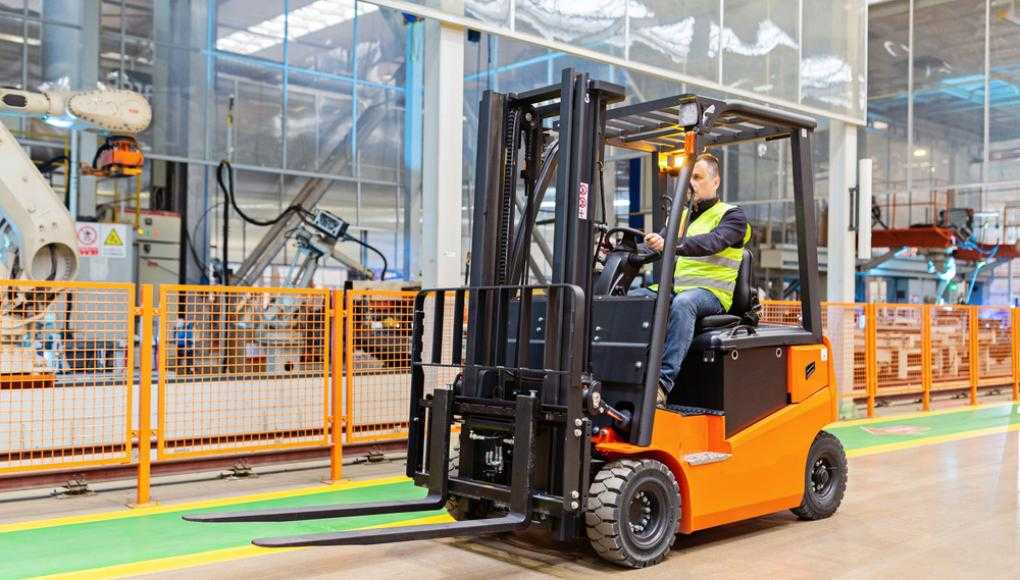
pixel 712 162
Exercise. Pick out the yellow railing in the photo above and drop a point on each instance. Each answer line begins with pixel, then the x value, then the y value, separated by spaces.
pixel 226 371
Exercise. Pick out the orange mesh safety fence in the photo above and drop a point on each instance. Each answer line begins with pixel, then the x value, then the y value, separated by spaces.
pixel 844 325
pixel 66 374
pixel 898 349
pixel 950 347
pixel 242 369
pixel 781 312
pixel 995 356
pixel 377 351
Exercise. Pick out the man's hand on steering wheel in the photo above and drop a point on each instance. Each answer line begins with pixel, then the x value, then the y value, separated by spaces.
pixel 654 241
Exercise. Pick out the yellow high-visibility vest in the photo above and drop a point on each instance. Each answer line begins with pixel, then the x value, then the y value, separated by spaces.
pixel 716 273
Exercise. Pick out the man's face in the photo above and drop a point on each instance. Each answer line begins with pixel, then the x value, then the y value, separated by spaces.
pixel 703 181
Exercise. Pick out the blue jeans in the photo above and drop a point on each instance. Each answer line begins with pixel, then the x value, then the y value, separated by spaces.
pixel 687 307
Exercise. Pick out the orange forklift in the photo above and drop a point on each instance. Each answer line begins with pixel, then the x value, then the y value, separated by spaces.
pixel 553 384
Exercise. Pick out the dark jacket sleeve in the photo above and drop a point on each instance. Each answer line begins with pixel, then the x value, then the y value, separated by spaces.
pixel 728 234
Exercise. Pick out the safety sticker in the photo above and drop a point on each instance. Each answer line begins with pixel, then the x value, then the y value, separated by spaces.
pixel 113 241
pixel 582 201
pixel 88 236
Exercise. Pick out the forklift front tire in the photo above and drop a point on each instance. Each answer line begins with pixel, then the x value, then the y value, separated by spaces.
pixel 824 479
pixel 633 512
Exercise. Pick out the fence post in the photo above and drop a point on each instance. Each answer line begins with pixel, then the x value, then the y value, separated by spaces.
pixel 926 371
pixel 145 399
pixel 336 351
pixel 1014 345
pixel 870 356
pixel 972 326
pixel 348 353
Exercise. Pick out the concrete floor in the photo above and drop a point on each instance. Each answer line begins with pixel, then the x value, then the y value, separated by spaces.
pixel 940 511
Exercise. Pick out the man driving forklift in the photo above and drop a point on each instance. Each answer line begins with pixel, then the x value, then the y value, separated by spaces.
pixel 706 267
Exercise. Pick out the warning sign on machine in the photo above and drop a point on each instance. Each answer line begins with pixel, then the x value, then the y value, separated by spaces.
pixel 113 240
pixel 88 237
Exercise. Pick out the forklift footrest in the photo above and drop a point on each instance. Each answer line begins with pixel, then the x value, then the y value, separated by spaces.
pixel 428 503
pixel 505 523
pixel 705 457
pixel 686 410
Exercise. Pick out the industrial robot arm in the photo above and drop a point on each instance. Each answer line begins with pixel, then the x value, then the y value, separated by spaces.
pixel 37 235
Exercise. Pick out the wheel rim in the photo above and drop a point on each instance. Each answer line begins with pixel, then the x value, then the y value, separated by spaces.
pixel 646 516
pixel 823 477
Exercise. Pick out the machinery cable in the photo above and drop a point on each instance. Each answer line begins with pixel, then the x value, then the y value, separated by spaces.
pixel 225 180
pixel 385 263
pixel 225 168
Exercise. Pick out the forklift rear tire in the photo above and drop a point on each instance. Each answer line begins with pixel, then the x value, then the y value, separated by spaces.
pixel 633 512
pixel 824 480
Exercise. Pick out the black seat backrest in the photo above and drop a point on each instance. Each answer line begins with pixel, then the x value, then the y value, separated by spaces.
pixel 742 292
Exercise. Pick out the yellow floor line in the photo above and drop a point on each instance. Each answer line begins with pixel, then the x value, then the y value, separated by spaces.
pixel 918 414
pixel 877 449
pixel 194 505
pixel 211 557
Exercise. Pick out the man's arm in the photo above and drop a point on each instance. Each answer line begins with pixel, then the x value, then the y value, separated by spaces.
pixel 728 234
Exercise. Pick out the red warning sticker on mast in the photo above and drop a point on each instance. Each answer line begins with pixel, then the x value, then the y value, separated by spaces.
pixel 582 201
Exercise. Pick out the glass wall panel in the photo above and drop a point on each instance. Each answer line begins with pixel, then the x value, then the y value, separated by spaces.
pixel 257 130
pixel 490 11
pixel 382 38
pixel 253 29
pixel 759 42
pixel 320 36
pixel 319 119
pixel 596 24
pixel 13 6
pixel 760 39
pixel 832 56
pixel 676 35
pixel 10 51
pixel 380 149
pixel 949 43
pixel 1004 96
pixel 885 137
pixel 380 222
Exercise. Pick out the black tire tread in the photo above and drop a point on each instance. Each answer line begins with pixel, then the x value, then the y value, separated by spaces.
pixel 809 510
pixel 602 513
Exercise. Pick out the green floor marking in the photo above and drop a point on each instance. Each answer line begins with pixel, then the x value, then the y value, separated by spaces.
pixel 90 545
pixel 83 546
pixel 895 431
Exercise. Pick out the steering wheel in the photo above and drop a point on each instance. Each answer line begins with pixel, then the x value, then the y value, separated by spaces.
pixel 633 242
pixel 622 261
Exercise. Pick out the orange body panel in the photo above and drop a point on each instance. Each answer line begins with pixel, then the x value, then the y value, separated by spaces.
pixel 763 475
pixel 802 384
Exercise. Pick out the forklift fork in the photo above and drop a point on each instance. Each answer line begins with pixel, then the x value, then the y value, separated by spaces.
pixel 438 463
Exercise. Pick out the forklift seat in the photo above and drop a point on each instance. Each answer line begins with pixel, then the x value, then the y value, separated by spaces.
pixel 743 308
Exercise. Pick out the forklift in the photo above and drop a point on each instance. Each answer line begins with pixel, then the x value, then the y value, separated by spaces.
pixel 551 388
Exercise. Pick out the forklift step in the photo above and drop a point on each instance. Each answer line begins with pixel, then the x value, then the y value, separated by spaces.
pixel 706 457
pixel 428 503
pixel 507 523
pixel 687 411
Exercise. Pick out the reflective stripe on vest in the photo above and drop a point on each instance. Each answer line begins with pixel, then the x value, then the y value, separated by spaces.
pixel 716 273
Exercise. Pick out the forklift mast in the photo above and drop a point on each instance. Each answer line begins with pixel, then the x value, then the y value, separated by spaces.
pixel 525 344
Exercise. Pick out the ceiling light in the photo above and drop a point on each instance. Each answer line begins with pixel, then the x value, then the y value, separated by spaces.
pixel 880 125
pixel 300 22
pixel 920 152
